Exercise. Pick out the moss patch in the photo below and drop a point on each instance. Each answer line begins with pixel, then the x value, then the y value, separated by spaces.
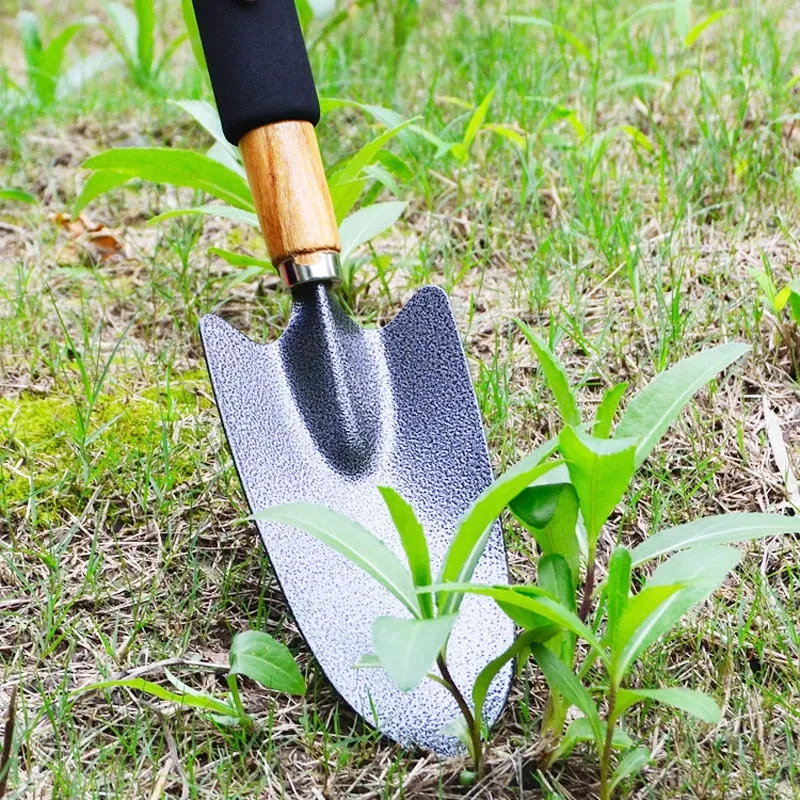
pixel 49 465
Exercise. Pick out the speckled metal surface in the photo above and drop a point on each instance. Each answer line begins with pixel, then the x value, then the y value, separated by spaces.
pixel 327 414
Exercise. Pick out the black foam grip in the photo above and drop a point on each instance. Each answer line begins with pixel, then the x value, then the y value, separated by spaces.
pixel 258 63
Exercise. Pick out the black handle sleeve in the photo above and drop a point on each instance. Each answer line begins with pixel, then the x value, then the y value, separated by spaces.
pixel 258 63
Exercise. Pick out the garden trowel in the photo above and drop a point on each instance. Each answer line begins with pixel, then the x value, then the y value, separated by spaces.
pixel 330 412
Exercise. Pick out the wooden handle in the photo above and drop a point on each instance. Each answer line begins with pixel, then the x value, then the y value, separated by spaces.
pixel 290 192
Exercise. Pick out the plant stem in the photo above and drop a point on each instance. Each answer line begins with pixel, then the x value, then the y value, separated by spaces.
pixel 605 756
pixel 588 588
pixel 8 741
pixel 475 734
pixel 244 718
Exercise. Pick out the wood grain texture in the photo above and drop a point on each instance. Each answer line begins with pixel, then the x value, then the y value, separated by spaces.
pixel 290 192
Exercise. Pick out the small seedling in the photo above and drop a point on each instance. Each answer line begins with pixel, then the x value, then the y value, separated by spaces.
pixel 783 306
pixel 253 654
pixel 563 493
pixel 48 77
pixel 132 33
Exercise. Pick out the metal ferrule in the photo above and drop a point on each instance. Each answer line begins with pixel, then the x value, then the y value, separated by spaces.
pixel 324 266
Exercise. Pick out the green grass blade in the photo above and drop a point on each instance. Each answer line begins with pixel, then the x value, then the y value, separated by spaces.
pixel 192 31
pixel 203 702
pixel 145 35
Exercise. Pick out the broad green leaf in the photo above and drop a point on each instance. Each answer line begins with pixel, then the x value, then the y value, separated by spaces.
pixel 211 210
pixel 18 196
pixel 631 764
pixel 177 168
pixel 600 470
pixel 474 529
pixel 387 117
pixel 719 529
pixel 563 680
pixel 767 286
pixel 697 30
pixel 367 223
pixel 683 581
pixel 554 576
pixel 99 183
pixel 657 406
pixel 258 656
pixel 527 619
pixel 353 541
pixel 635 628
pixel 407 648
pixel 344 196
pixel 604 418
pixel 414 543
pixel 555 375
pixel 618 588
pixel 702 565
pixel 204 702
pixel 190 21
pixel 550 513
pixel 779 299
pixel 696 703
pixel 485 677
pixel 352 167
pixel 580 730
pixel 531 598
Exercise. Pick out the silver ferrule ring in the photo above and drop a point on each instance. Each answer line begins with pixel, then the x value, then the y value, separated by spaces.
pixel 324 266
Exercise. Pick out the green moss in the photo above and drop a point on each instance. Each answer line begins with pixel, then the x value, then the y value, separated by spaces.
pixel 134 443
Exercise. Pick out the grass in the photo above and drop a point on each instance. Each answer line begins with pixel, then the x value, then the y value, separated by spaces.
pixel 655 177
